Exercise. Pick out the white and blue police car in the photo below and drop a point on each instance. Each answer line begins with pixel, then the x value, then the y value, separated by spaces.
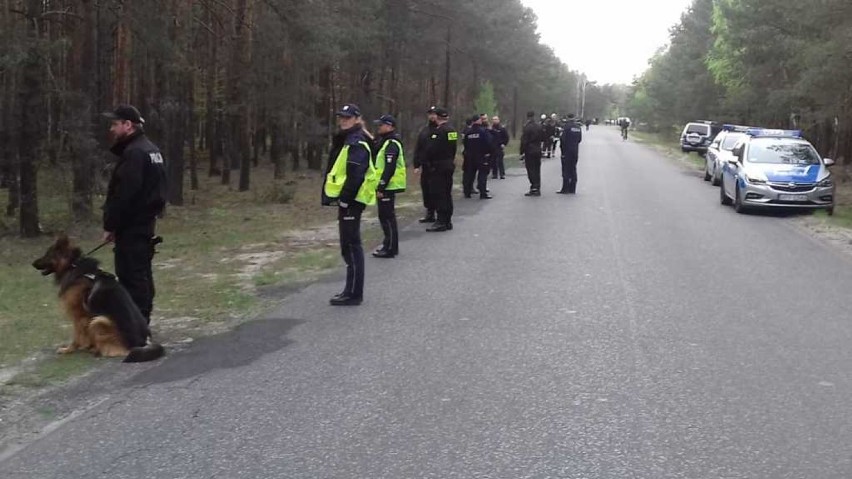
pixel 776 169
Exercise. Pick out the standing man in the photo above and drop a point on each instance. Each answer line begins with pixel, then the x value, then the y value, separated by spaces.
pixel 350 184
pixel 477 149
pixel 421 168
pixel 136 196
pixel 531 140
pixel 572 136
pixel 500 138
pixel 440 157
pixel 390 168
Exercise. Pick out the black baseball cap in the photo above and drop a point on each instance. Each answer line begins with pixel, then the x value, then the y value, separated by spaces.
pixel 432 109
pixel 349 110
pixel 530 114
pixel 386 120
pixel 126 113
pixel 442 113
pixel 571 116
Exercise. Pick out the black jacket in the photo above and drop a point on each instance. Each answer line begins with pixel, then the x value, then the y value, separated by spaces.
pixel 477 144
pixel 531 139
pixel 356 165
pixel 440 153
pixel 391 155
pixel 422 143
pixel 571 138
pixel 138 188
pixel 500 136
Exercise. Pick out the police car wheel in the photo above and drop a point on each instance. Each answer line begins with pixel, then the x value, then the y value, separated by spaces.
pixel 723 198
pixel 706 174
pixel 739 207
pixel 829 211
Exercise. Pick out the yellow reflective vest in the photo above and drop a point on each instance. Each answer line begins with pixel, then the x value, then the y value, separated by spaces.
pixel 398 180
pixel 336 178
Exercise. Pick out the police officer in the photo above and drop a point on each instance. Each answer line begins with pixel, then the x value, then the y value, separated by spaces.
pixel 477 150
pixel 351 185
pixel 531 140
pixel 572 136
pixel 136 195
pixel 499 139
pixel 421 168
pixel 440 157
pixel 390 168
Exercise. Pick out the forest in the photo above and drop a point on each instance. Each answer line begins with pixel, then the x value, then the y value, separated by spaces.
pixel 227 85
pixel 774 63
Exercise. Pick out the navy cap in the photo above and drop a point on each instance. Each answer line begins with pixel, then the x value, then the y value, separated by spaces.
pixel 386 120
pixel 432 109
pixel 126 113
pixel 442 113
pixel 349 110
pixel 571 116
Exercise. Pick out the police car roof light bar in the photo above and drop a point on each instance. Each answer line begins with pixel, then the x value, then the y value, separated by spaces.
pixel 738 128
pixel 766 132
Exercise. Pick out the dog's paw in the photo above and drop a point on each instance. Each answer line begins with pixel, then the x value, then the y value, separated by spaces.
pixel 65 350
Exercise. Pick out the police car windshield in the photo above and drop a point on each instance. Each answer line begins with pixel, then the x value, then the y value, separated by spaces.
pixel 773 151
pixel 698 128
pixel 731 140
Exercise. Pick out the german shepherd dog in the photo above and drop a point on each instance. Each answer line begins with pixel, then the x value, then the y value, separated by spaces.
pixel 106 320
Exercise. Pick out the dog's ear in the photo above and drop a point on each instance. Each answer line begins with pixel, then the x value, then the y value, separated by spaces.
pixel 62 241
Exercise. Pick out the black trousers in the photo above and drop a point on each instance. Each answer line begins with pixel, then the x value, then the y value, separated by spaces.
pixel 475 170
pixel 498 166
pixel 441 189
pixel 533 164
pixel 569 173
pixel 349 224
pixel 425 189
pixel 387 218
pixel 133 256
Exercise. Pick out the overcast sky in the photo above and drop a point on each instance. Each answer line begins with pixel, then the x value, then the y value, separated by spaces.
pixel 637 28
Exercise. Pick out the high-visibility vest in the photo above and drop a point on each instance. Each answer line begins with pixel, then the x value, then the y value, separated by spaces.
pixel 397 181
pixel 337 177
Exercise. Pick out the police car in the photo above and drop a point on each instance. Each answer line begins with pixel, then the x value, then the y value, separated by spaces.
pixel 776 169
pixel 719 151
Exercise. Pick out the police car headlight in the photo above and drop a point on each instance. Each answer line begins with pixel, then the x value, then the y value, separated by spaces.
pixel 826 183
pixel 755 180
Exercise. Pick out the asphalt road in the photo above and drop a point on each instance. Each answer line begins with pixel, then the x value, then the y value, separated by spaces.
pixel 636 330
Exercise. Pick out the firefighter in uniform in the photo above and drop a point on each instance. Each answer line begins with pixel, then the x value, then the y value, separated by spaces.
pixel 350 184
pixel 440 157
pixel 477 151
pixel 136 196
pixel 531 140
pixel 390 168
pixel 421 168
pixel 572 136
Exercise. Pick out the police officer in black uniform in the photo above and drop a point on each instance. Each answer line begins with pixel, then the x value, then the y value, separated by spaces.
pixel 499 138
pixel 350 155
pixel 531 140
pixel 136 196
pixel 421 168
pixel 440 157
pixel 572 136
pixel 477 151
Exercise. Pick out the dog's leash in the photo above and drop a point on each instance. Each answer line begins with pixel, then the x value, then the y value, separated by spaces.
pixel 90 253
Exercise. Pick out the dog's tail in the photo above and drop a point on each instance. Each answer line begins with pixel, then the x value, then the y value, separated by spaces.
pixel 149 352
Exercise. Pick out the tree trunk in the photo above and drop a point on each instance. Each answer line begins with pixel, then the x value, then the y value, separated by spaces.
pixel 31 101
pixel 192 128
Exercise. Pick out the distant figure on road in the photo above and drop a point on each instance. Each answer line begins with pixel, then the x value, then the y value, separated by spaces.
pixel 477 150
pixel 136 195
pixel 421 168
pixel 572 136
pixel 390 168
pixel 351 185
pixel 624 123
pixel 500 138
pixel 549 127
pixel 440 155
pixel 531 140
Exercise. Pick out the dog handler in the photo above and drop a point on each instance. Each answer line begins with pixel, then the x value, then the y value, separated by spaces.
pixel 135 197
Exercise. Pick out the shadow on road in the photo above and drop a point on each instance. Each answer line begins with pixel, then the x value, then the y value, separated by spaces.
pixel 242 346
